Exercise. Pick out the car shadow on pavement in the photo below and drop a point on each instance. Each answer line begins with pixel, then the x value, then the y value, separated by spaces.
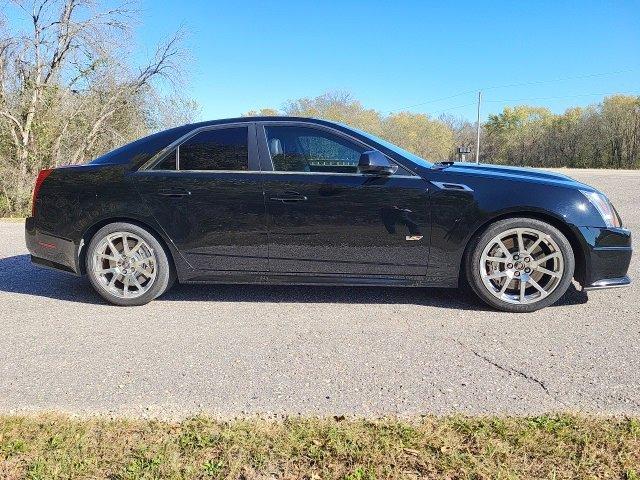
pixel 19 275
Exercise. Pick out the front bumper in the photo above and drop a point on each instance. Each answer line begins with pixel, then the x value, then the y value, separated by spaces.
pixel 607 257
pixel 609 283
pixel 49 250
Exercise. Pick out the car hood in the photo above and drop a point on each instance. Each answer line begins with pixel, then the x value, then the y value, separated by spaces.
pixel 516 173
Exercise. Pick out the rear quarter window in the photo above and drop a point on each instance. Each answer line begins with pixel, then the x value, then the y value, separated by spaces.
pixel 141 150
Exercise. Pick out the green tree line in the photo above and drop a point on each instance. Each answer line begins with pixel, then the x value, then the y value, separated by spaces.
pixel 602 135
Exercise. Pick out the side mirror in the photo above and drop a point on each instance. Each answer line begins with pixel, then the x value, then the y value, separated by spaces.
pixel 373 162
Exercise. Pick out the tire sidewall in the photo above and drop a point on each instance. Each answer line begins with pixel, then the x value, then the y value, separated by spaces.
pixel 475 253
pixel 164 275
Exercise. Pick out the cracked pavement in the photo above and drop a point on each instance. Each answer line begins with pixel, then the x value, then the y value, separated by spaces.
pixel 243 350
pixel 511 370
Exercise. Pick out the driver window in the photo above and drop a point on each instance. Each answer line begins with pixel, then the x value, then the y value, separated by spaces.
pixel 304 149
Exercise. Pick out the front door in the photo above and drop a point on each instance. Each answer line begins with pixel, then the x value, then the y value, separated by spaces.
pixel 207 195
pixel 325 218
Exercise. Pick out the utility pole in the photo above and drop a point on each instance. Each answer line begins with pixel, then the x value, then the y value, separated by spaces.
pixel 478 129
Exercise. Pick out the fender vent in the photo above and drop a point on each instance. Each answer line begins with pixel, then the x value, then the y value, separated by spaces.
pixel 460 187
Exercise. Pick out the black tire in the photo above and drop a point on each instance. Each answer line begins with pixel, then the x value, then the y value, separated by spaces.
pixel 474 255
pixel 165 274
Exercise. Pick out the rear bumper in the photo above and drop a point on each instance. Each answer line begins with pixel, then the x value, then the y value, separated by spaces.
pixel 607 257
pixel 49 250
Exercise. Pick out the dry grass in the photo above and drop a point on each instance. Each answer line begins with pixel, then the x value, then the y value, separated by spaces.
pixel 558 446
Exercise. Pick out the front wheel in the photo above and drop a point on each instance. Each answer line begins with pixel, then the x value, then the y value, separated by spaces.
pixel 520 265
pixel 127 265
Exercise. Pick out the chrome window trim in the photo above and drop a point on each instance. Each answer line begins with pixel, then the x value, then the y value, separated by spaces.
pixel 356 174
pixel 368 175
pixel 153 161
pixel 299 123
pixel 207 171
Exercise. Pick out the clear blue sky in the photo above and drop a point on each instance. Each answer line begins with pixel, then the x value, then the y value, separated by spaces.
pixel 250 54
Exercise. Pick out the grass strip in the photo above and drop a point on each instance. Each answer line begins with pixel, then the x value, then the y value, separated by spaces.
pixel 51 446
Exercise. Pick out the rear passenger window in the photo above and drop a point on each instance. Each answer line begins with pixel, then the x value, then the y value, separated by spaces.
pixel 168 162
pixel 220 149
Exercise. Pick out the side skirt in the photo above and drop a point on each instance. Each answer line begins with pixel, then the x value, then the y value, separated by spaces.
pixel 295 279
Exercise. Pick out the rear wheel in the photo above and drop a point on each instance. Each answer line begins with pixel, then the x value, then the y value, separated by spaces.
pixel 520 265
pixel 127 265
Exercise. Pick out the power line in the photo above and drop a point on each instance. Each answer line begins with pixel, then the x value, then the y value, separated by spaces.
pixel 452 108
pixel 436 113
pixel 432 101
pixel 439 112
pixel 561 96
pixel 521 84
pixel 564 79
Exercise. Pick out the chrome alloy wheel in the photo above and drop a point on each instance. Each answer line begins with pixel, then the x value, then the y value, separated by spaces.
pixel 521 265
pixel 124 265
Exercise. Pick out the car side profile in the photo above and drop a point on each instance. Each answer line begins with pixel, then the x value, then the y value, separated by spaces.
pixel 289 200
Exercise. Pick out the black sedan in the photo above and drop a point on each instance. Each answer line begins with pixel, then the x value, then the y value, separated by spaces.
pixel 303 201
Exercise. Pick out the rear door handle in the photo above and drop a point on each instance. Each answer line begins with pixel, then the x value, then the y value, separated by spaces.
pixel 289 197
pixel 174 192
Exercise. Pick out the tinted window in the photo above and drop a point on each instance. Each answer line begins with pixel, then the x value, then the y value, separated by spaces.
pixel 143 149
pixel 222 149
pixel 168 162
pixel 304 149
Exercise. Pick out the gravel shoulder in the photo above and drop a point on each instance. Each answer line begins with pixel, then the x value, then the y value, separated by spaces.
pixel 242 350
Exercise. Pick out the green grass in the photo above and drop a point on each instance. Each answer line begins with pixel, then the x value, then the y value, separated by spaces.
pixel 559 446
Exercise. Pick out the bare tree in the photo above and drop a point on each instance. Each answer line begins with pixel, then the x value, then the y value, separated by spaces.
pixel 65 80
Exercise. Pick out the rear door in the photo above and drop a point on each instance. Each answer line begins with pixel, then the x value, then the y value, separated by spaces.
pixel 325 218
pixel 206 193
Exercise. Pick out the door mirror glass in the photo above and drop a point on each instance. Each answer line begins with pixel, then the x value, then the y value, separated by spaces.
pixel 375 163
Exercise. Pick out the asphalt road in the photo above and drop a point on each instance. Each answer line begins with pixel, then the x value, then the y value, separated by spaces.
pixel 242 350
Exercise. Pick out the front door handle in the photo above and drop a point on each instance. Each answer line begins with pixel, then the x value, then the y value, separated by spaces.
pixel 174 192
pixel 289 197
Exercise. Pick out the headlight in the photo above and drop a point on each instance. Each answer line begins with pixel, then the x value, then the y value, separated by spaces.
pixel 603 205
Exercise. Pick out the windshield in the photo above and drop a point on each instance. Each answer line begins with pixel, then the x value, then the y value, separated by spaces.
pixel 394 148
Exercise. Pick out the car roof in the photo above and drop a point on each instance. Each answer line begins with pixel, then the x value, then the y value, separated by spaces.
pixel 271 118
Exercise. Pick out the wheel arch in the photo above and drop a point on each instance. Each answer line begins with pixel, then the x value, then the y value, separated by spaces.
pixel 93 229
pixel 565 228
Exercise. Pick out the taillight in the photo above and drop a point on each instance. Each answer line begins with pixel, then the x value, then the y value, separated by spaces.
pixel 41 178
